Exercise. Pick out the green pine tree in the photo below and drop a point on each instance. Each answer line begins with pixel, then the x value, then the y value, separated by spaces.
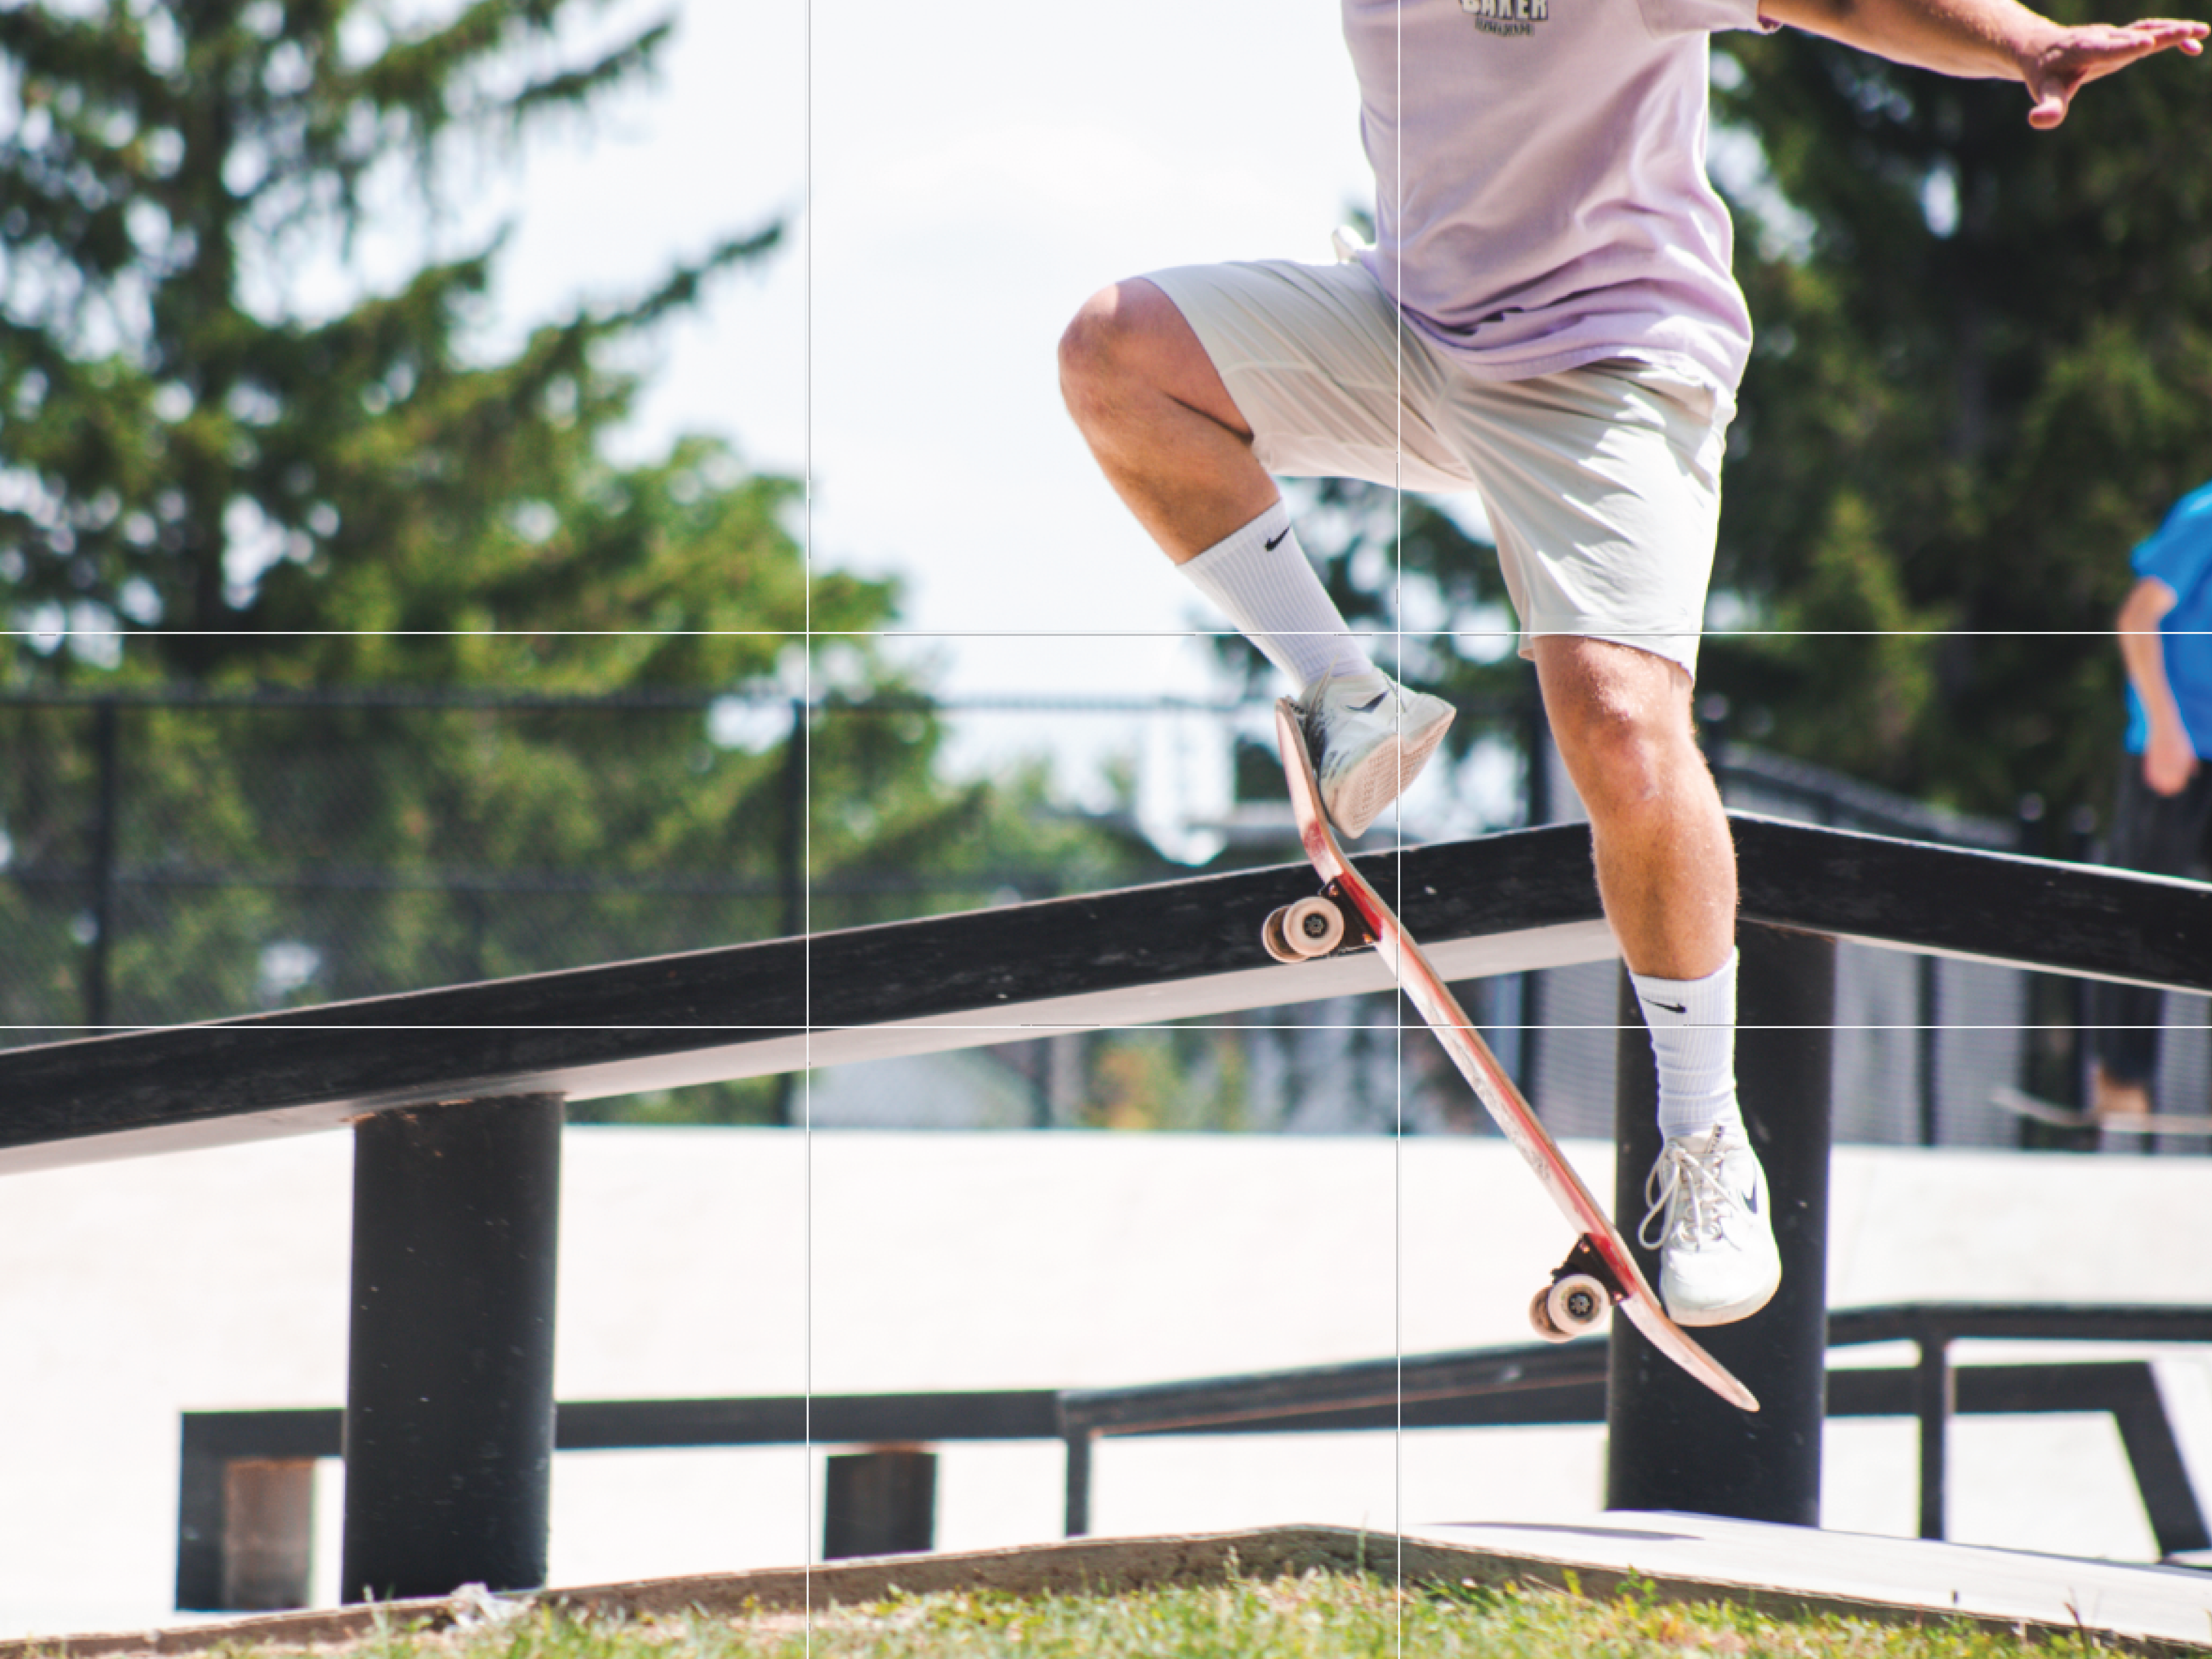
pixel 219 478
pixel 199 485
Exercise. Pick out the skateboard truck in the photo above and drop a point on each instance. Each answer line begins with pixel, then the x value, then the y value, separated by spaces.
pixel 1578 1297
pixel 1317 927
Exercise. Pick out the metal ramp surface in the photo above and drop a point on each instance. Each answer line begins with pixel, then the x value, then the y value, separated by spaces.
pixel 1686 1556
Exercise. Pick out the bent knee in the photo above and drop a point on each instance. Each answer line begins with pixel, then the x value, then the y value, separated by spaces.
pixel 1131 337
pixel 1104 343
pixel 1623 762
pixel 1624 749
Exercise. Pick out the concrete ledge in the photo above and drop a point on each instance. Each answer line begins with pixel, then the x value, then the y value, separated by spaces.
pixel 1781 1570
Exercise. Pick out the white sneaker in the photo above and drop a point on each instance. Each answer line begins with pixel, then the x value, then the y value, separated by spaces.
pixel 1371 737
pixel 1715 1235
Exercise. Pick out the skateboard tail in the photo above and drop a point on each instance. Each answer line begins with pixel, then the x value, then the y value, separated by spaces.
pixel 1664 1334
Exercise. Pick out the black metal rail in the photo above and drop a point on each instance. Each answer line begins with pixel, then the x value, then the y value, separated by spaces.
pixel 1566 1384
pixel 1177 950
pixel 1493 1388
pixel 212 1441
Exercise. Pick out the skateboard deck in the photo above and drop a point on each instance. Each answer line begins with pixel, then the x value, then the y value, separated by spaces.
pixel 1600 1268
pixel 2024 1104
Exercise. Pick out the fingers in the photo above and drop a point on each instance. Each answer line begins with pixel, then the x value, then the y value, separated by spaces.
pixel 2187 32
pixel 2083 55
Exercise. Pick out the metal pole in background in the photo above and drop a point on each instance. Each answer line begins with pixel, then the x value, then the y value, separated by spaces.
pixel 1928 988
pixel 1671 1443
pixel 791 864
pixel 1536 757
pixel 1536 808
pixel 793 853
pixel 449 1372
pixel 109 762
pixel 1936 1399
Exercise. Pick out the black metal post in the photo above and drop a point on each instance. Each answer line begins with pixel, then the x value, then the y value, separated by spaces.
pixel 1671 1443
pixel 879 1502
pixel 98 955
pixel 1536 756
pixel 449 1377
pixel 1076 1521
pixel 1928 986
pixel 1935 1389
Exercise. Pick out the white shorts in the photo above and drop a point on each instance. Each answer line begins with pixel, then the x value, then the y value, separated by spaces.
pixel 1601 484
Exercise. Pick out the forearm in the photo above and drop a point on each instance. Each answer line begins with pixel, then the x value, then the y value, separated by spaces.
pixel 1991 39
pixel 1975 40
pixel 2142 651
pixel 2146 664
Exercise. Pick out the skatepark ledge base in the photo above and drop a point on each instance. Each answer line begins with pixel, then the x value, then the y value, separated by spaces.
pixel 1092 1566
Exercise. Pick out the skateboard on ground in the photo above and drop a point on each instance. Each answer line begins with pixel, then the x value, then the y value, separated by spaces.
pixel 1599 1273
pixel 2067 1117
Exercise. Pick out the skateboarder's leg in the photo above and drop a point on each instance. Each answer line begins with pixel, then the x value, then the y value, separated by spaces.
pixel 1148 396
pixel 1666 870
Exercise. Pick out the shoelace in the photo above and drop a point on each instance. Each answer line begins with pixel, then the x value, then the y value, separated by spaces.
pixel 1705 1201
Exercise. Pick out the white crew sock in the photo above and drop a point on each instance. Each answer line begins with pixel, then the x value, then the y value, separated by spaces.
pixel 1260 579
pixel 1692 1024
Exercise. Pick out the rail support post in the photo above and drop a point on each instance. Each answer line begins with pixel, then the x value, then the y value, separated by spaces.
pixel 881 1501
pixel 1671 1444
pixel 1935 1395
pixel 1081 1443
pixel 449 1376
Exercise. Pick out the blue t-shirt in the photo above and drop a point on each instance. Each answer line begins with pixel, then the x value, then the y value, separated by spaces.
pixel 2180 555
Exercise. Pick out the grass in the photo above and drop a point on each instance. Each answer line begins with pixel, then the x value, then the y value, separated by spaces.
pixel 1318 1616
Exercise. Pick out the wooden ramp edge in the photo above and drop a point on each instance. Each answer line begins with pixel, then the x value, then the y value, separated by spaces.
pixel 1085 1567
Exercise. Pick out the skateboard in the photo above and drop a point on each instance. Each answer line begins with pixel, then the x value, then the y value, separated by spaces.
pixel 1600 1272
pixel 2067 1117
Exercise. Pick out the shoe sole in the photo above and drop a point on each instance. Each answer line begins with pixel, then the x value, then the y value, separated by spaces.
pixel 1387 773
pixel 1728 1313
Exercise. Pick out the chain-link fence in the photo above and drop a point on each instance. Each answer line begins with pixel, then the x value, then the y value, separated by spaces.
pixel 170 856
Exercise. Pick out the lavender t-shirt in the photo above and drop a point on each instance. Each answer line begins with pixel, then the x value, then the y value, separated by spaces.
pixel 1540 189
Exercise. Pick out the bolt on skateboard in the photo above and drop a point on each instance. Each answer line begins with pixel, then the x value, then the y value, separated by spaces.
pixel 1600 1272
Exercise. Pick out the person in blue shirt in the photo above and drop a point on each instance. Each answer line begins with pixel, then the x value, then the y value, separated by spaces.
pixel 2165 799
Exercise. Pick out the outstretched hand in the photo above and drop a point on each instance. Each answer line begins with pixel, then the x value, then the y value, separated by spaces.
pixel 2075 56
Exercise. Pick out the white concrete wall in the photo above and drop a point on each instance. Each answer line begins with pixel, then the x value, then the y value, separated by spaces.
pixel 704 1262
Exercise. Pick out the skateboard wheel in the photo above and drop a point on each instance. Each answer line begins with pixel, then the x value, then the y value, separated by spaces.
pixel 1313 926
pixel 1272 936
pixel 1577 1303
pixel 1539 1317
